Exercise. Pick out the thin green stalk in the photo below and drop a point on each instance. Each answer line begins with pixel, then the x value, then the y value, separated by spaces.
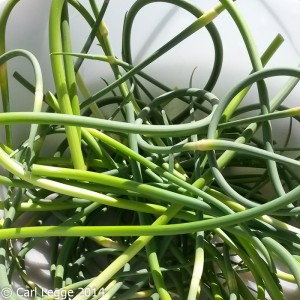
pixel 92 34
pixel 195 285
pixel 231 278
pixel 263 97
pixel 68 63
pixel 17 169
pixel 291 112
pixel 61 85
pixel 30 206
pixel 266 208
pixel 10 212
pixel 113 289
pixel 212 30
pixel 265 218
pixel 248 261
pixel 86 94
pixel 158 230
pixel 29 153
pixel 140 188
pixel 218 144
pixel 272 283
pixel 127 255
pixel 62 262
pixel 214 254
pixel 285 256
pixel 156 273
pixel 250 129
pixel 46 118
pixel 214 283
pixel 3 67
pixel 229 110
pixel 100 152
pixel 202 21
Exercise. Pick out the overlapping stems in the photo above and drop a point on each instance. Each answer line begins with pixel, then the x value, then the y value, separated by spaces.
pixel 160 185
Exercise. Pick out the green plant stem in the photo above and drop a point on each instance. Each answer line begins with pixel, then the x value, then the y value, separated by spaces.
pixel 263 98
pixel 3 67
pixel 138 5
pixel 182 228
pixel 127 255
pixel 38 94
pixel 231 278
pixel 197 209
pixel 195 286
pixel 68 63
pixel 61 85
pixel 93 33
pixel 252 127
pixel 218 144
pixel 10 212
pixel 202 21
pixel 248 261
pixel 283 255
pixel 229 111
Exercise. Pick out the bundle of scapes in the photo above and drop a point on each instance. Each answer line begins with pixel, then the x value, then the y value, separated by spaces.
pixel 137 202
